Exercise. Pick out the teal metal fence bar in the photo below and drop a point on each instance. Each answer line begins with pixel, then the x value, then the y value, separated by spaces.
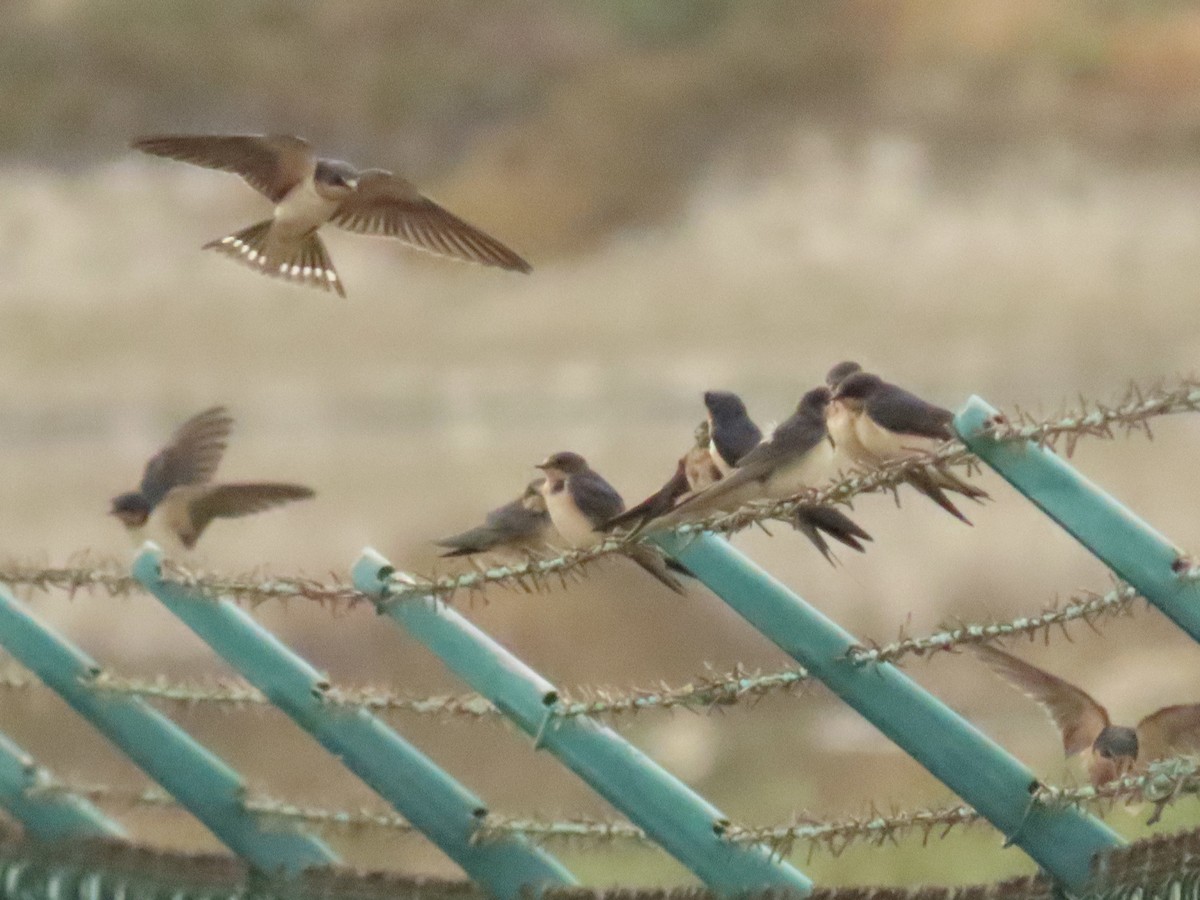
pixel 1062 841
pixel 671 814
pixel 1121 540
pixel 197 778
pixel 47 813
pixel 445 811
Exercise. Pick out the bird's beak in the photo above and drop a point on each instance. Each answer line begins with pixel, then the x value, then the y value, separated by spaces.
pixel 542 465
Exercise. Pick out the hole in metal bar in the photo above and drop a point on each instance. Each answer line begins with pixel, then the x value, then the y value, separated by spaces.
pixel 480 812
pixel 720 826
pixel 385 572
pixel 549 698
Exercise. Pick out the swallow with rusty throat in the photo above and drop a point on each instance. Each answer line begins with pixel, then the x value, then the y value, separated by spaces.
pixel 798 455
pixel 1113 750
pixel 722 441
pixel 309 191
pixel 515 530
pixel 873 422
pixel 580 502
pixel 177 486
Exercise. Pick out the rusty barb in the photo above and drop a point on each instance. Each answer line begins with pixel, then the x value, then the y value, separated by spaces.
pixel 1164 783
pixel 1133 413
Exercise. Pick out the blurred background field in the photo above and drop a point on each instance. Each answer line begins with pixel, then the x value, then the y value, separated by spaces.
pixel 968 196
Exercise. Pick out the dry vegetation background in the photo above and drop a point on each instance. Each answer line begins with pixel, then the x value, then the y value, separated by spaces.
pixel 969 196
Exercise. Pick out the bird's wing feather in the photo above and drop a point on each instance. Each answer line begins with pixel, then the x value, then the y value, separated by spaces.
pixel 1077 715
pixel 389 205
pixel 897 410
pixel 596 498
pixel 231 501
pixel 191 456
pixel 657 504
pixel 1171 730
pixel 273 164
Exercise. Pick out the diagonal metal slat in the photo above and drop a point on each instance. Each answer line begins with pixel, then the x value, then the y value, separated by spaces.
pixel 671 813
pixel 191 773
pixel 1121 540
pixel 430 799
pixel 1062 841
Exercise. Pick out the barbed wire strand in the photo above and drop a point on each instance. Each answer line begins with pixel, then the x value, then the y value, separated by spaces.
pixel 713 689
pixel 1164 783
pixel 1132 414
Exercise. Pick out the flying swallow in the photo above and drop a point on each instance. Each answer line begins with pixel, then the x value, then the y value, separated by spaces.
pixel 1113 750
pixel 796 456
pixel 580 502
pixel 518 528
pixel 176 485
pixel 309 191
pixel 873 422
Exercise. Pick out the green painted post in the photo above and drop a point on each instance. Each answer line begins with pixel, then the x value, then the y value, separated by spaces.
pixel 671 813
pixel 196 777
pixel 1062 841
pixel 47 813
pixel 1122 541
pixel 445 811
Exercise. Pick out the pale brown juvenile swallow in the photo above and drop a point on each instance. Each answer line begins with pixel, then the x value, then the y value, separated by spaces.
pixel 873 423
pixel 176 485
pixel 516 529
pixel 308 192
pixel 580 501
pixel 1113 750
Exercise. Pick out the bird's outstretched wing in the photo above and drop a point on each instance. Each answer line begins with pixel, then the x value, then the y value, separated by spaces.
pixel 273 164
pixel 389 205
pixel 191 456
pixel 229 501
pixel 1077 715
pixel 1171 730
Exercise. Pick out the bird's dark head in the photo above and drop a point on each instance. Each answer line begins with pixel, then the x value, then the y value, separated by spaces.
pixel 814 402
pixel 563 463
pixel 724 405
pixel 859 386
pixel 336 177
pixel 1117 742
pixel 132 509
pixel 841 372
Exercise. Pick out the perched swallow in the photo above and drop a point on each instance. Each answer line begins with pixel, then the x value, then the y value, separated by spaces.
pixel 177 484
pixel 308 192
pixel 1114 750
pixel 518 528
pixel 580 502
pixel 798 455
pixel 699 469
pixel 873 422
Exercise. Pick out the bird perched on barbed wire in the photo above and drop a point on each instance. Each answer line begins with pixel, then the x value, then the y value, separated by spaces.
pixel 177 488
pixel 722 441
pixel 798 455
pixel 580 502
pixel 514 530
pixel 873 422
pixel 309 191
pixel 1113 750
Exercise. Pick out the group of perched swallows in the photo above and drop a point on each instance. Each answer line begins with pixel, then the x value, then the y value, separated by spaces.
pixel 855 420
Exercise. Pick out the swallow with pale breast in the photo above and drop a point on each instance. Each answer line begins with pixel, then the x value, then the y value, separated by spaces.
pixel 873 422
pixel 722 441
pixel 177 486
pixel 309 191
pixel 580 502
pixel 1113 750
pixel 798 455
pixel 516 529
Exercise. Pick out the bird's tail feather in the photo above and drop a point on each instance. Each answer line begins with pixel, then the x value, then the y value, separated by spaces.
pixel 811 521
pixel 654 563
pixel 927 483
pixel 303 259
